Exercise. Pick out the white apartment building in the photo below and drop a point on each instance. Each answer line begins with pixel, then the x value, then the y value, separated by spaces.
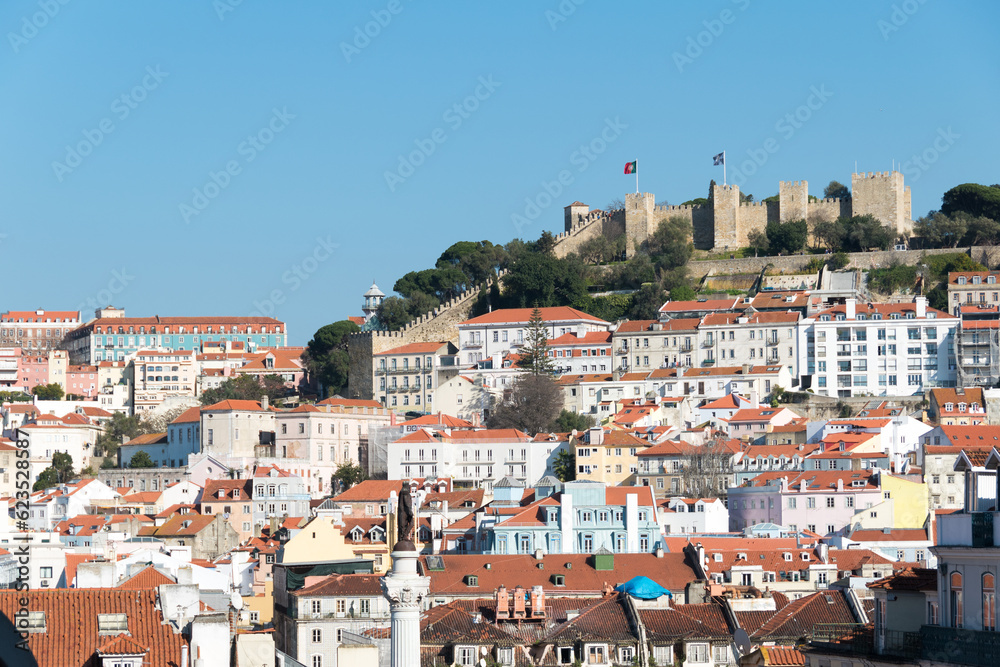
pixel 586 353
pixel 407 376
pixel 692 515
pixel 161 373
pixel 472 458
pixel 880 349
pixel 502 331
pixel 48 434
pixel 328 434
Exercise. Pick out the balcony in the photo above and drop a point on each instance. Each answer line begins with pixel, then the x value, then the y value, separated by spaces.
pixel 959 646
pixel 708 362
pixel 709 342
pixel 969 529
pixel 771 340
pixel 685 347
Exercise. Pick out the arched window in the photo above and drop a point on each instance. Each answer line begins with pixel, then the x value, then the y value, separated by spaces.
pixel 989 602
pixel 956 599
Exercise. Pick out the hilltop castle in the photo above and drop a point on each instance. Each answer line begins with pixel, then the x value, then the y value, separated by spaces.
pixel 726 223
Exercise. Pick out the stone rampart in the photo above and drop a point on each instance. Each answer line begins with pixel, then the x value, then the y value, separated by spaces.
pixel 859 260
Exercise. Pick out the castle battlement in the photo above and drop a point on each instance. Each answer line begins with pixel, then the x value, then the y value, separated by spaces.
pixel 879 174
pixel 792 184
pixel 675 209
pixel 753 204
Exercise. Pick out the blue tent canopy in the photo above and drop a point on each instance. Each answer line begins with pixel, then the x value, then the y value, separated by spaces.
pixel 643 588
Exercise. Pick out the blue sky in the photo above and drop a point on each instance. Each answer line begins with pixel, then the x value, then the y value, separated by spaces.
pixel 203 158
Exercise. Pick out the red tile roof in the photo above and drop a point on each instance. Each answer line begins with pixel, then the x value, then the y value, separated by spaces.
pixel 690 621
pixel 673 572
pixel 700 305
pixel 782 656
pixel 414 348
pixel 908 579
pixel 145 579
pixel 798 618
pixel 350 402
pixel 229 404
pixel 522 315
pixel 343 585
pixel 71 634
pixel 188 416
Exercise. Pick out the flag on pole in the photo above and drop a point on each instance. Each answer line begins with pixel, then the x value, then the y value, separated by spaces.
pixel 632 167
pixel 719 159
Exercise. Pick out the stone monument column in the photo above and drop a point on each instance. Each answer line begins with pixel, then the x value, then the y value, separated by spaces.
pixel 405 589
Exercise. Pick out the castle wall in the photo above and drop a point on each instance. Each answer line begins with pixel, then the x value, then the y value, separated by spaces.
pixel 726 204
pixel 827 210
pixel 861 260
pixel 794 200
pixel 881 194
pixel 638 219
pixel 750 216
pixel 440 324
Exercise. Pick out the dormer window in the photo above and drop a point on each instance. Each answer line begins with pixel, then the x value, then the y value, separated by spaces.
pixel 805 556
pixel 948 407
pixel 357 534
pixel 961 280
pixel 961 407
pixel 718 558
pixel 841 316
pixel 976 280
pixel 861 317
pixel 788 556
pixel 991 279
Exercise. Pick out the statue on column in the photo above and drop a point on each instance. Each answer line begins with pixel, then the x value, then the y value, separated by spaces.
pixel 404 519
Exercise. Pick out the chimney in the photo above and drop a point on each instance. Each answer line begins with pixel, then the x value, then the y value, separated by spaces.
pixel 596 435
pixel 264 402
pixel 921 303
pixel 850 308
pixel 746 369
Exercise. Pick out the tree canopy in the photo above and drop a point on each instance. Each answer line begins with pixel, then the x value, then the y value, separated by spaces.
pixel 245 388
pixel 974 199
pixel 534 356
pixel 141 460
pixel 836 190
pixel 48 392
pixel 326 355
pixel 786 237
pixel 530 405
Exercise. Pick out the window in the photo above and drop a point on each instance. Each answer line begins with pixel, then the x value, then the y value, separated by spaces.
pixel 45 572
pixel 317 661
pixel 341 606
pixel 317 606
pixel 697 653
pixel 956 600
pixel 720 654
pixel 505 656
pixel 465 655
pixel 112 624
pixel 35 621
pixel 989 602
pixel 597 654
pixel 830 501
pixel 317 635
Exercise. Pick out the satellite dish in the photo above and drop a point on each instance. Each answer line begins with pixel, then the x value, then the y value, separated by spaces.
pixel 483 650
pixel 742 640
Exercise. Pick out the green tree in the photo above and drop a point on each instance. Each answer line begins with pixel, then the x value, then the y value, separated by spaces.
pixel 544 280
pixel 938 230
pixel 63 463
pixel 828 234
pixel 348 474
pixel 564 466
pixel 646 302
pixel 758 242
pixel 838 260
pixel 568 421
pixel 670 245
pixel 244 388
pixel 141 460
pixel 48 392
pixel 786 237
pixel 393 313
pixel 115 430
pixel 326 355
pixel 864 232
pixel 682 293
pixel 836 190
pixel 535 353
pixel 974 199
pixel 982 231
pixel 530 405
pixel 14 397
pixel 47 479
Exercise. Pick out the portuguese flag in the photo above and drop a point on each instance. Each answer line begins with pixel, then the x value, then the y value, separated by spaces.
pixel 631 167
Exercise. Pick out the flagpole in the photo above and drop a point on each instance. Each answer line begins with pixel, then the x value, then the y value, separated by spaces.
pixel 637 177
pixel 724 167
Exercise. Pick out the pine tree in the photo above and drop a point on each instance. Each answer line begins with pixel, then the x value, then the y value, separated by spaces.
pixel 535 354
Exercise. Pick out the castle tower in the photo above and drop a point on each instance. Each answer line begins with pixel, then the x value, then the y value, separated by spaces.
pixel 574 213
pixel 639 219
pixel 793 200
pixel 373 299
pixel 726 203
pixel 882 195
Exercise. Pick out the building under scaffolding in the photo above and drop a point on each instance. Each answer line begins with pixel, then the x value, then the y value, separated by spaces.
pixel 977 347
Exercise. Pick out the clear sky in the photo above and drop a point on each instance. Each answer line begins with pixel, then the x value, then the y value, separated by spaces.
pixel 195 158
